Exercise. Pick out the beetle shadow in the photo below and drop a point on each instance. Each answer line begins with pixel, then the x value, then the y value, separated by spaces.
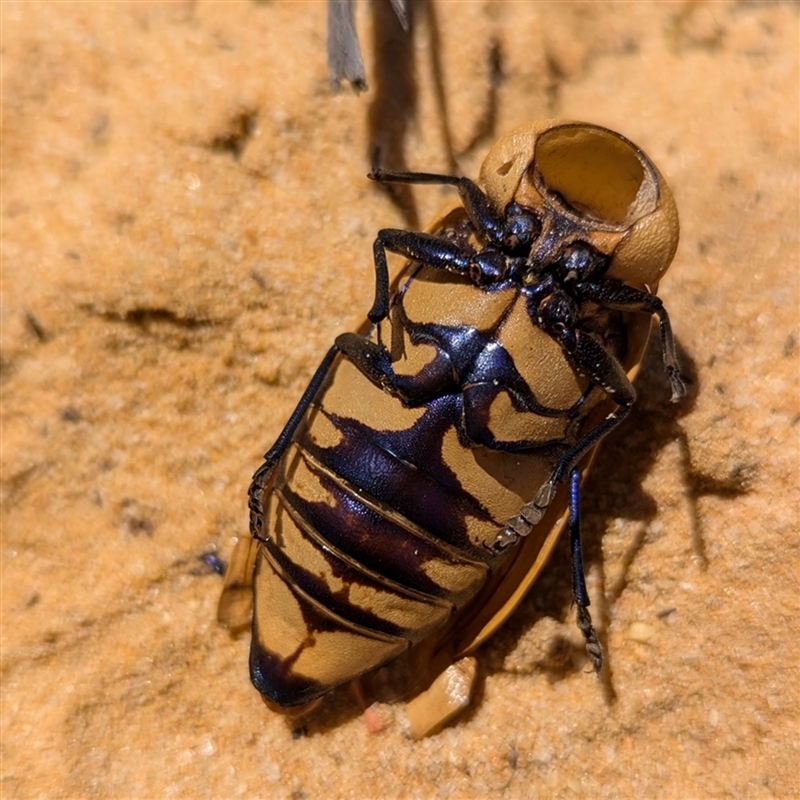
pixel 394 100
pixel 614 489
pixel 393 107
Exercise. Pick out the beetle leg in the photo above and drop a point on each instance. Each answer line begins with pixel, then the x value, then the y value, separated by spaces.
pixel 235 603
pixel 263 477
pixel 593 647
pixel 475 421
pixel 620 296
pixel 592 360
pixel 531 513
pixel 480 210
pixel 374 361
pixel 434 251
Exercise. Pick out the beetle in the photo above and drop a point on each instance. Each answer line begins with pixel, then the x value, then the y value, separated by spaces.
pixel 429 467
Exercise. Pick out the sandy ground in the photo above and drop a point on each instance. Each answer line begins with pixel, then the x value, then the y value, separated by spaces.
pixel 186 225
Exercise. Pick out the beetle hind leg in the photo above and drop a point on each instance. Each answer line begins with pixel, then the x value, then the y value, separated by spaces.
pixel 584 619
pixel 521 525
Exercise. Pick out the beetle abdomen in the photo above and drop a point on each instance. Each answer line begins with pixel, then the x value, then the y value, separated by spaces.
pixel 367 535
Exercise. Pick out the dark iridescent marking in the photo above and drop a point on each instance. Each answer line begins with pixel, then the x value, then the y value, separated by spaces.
pixel 273 675
pixel 405 471
pixel 371 538
pixel 476 358
pixel 347 570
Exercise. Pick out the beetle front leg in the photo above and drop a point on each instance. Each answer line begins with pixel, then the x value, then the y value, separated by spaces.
pixel 434 251
pixel 480 210
pixel 621 297
pixel 482 267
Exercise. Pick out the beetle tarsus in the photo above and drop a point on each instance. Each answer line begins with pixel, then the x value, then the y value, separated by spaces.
pixel 678 386
pixel 529 516
pixel 263 476
pixel 584 619
pixel 593 647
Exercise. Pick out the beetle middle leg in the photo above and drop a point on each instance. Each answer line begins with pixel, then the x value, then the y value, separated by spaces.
pixel 480 209
pixel 374 361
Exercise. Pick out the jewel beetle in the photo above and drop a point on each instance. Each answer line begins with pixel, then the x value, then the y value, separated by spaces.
pixel 428 469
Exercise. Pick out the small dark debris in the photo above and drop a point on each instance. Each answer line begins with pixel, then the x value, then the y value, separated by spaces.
pixel 790 345
pixel 136 519
pixel 39 332
pixel 512 755
pixel 51 637
pixel 71 414
pixel 240 130
pixel 138 525
pixel 33 600
pixel 666 613
pixel 259 279
pixel 212 564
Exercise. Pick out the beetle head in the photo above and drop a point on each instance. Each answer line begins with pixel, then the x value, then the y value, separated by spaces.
pixel 596 184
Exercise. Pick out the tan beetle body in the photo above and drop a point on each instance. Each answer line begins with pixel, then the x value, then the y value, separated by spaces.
pixel 414 496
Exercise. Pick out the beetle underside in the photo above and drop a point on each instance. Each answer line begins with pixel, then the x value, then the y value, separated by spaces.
pixel 415 492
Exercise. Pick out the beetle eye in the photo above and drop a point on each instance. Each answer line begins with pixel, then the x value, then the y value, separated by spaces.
pixel 522 227
pixel 487 267
pixel 581 262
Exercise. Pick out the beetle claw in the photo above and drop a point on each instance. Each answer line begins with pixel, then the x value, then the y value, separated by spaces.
pixel 678 386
